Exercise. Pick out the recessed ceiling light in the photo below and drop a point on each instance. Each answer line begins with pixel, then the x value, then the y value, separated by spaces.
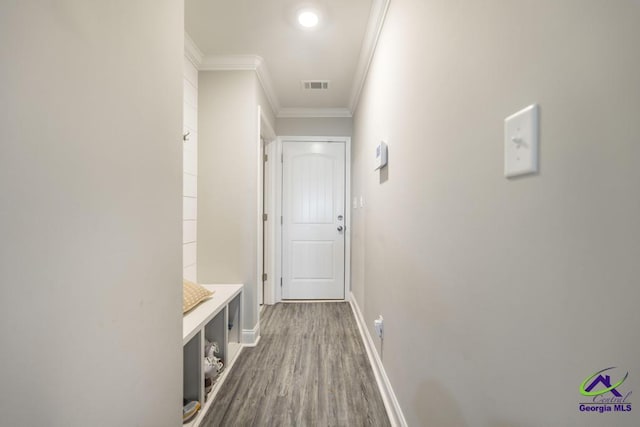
pixel 308 18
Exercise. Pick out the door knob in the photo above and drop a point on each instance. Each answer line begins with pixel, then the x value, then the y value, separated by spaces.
pixel 340 228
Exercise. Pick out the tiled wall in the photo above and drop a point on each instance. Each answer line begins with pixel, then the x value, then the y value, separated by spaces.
pixel 190 171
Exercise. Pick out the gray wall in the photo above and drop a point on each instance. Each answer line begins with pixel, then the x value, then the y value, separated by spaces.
pixel 316 126
pixel 90 218
pixel 501 296
pixel 227 182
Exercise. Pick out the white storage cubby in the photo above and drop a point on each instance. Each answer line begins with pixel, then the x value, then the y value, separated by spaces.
pixel 216 319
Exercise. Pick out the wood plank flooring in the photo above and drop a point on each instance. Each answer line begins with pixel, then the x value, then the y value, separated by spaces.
pixel 310 368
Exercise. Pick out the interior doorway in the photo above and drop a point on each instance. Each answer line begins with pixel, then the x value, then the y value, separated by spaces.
pixel 265 212
pixel 268 217
pixel 313 229
pixel 276 292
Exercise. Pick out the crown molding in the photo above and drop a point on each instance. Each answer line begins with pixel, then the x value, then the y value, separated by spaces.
pixel 291 113
pixel 203 62
pixel 191 51
pixel 267 86
pixel 244 63
pixel 374 27
pixel 230 62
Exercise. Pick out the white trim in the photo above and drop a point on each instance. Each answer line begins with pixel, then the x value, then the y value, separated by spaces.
pixel 288 113
pixel 277 291
pixel 266 135
pixel 230 62
pixel 277 197
pixel 396 417
pixel 265 80
pixel 256 63
pixel 259 222
pixel 251 337
pixel 244 63
pixel 374 27
pixel 266 128
pixel 191 51
pixel 347 220
pixel 270 284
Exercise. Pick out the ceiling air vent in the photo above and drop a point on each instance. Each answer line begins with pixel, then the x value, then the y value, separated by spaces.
pixel 315 84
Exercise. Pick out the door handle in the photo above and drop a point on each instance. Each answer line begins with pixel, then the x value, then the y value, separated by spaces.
pixel 340 228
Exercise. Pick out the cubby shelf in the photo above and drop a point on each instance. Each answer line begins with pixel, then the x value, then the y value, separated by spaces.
pixel 216 319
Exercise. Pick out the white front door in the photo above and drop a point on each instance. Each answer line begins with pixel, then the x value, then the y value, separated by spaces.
pixel 313 220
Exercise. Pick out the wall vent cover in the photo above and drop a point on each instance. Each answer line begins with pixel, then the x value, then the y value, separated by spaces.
pixel 315 84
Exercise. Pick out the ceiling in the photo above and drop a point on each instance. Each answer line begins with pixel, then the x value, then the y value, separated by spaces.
pixel 265 35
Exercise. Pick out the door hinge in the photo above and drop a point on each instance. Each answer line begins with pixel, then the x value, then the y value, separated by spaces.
pixel 281 221
pixel 281 282
pixel 282 158
pixel 266 158
pixel 264 277
pixel 264 217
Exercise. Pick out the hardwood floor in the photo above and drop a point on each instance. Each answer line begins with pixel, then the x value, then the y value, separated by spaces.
pixel 310 368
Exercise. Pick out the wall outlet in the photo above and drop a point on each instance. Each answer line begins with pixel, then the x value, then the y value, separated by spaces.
pixel 378 324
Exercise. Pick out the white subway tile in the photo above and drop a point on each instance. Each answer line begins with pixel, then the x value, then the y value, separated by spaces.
pixel 190 94
pixel 190 72
pixel 189 162
pixel 190 117
pixel 188 254
pixel 189 231
pixel 190 273
pixel 189 208
pixel 189 185
pixel 191 144
pixel 190 167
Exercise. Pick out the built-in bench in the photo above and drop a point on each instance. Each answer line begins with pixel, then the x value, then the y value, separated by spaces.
pixel 217 319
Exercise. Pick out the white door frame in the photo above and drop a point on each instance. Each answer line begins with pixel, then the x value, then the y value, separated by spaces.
pixel 270 225
pixel 265 136
pixel 277 258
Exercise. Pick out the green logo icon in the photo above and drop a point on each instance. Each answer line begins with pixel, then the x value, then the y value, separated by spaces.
pixel 605 380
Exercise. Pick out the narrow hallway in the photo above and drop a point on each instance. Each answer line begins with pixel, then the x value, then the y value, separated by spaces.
pixel 309 368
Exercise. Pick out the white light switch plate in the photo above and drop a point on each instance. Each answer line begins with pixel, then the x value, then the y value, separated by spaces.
pixel 521 142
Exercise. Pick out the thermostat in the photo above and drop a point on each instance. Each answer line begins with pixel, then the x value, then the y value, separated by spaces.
pixel 381 155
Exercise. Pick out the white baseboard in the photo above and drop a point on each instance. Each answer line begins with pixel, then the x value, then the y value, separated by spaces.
pixel 250 337
pixel 396 417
